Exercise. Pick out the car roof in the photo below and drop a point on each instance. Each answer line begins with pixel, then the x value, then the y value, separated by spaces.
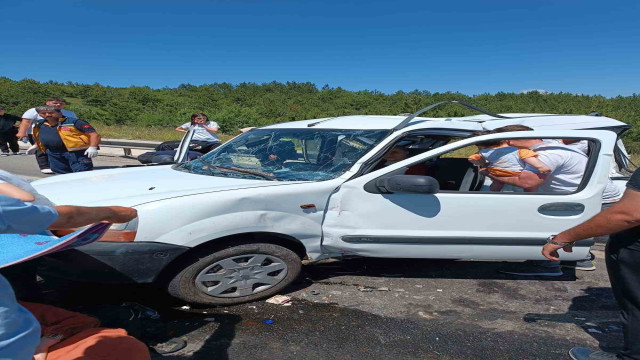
pixel 471 123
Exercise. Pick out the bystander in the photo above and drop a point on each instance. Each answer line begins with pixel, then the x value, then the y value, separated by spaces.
pixel 8 133
pixel 68 142
pixel 26 129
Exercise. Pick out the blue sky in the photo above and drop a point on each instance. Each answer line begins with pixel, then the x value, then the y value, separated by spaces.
pixel 481 46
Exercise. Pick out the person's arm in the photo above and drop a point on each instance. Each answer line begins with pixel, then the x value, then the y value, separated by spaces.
pixel 527 179
pixel 212 129
pixel 179 128
pixel 94 139
pixel 23 128
pixel 15 192
pixel 621 216
pixel 77 216
pixel 539 165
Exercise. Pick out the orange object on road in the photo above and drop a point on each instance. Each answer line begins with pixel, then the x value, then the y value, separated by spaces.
pixel 83 338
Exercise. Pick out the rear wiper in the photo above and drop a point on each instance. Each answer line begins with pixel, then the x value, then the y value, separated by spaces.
pixel 261 174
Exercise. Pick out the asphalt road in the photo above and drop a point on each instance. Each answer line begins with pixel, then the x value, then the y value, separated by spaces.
pixel 370 308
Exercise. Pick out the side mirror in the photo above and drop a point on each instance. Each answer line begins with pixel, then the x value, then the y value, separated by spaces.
pixel 408 184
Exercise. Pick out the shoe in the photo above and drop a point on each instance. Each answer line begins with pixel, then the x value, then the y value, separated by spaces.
pixel 4 154
pixel 580 353
pixel 46 171
pixel 534 268
pixel 584 265
pixel 18 153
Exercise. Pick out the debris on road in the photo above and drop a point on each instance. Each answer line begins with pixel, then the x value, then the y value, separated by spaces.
pixel 269 321
pixel 278 299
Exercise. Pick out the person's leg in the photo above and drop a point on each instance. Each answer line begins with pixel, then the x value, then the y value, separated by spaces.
pixel 42 159
pixel 208 146
pixel 13 141
pixel 59 163
pixel 623 265
pixel 3 143
pixel 78 161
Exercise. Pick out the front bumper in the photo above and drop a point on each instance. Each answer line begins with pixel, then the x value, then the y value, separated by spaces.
pixel 112 262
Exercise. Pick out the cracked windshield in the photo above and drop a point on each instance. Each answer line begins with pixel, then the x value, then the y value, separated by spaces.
pixel 287 154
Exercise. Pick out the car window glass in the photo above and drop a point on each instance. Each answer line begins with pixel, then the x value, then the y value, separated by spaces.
pixel 464 168
pixel 287 154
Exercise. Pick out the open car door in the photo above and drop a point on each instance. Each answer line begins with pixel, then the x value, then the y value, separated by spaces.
pixel 182 152
pixel 363 218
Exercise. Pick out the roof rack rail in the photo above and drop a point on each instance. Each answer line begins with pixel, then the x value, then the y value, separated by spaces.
pixel 404 122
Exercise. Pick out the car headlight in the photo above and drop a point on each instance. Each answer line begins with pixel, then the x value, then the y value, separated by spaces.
pixel 125 232
pixel 122 232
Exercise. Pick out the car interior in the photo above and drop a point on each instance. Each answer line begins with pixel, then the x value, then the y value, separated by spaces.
pixel 452 173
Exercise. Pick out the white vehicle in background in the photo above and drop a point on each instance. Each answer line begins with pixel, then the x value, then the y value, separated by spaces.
pixel 234 225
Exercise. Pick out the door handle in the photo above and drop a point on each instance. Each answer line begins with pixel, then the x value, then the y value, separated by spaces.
pixel 561 209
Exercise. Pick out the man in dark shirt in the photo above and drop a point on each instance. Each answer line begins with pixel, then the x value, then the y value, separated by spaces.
pixel 68 142
pixel 8 133
pixel 622 220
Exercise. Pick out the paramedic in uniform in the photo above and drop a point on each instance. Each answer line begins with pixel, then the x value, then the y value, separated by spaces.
pixel 69 143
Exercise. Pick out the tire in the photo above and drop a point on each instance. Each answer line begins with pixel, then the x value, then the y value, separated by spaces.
pixel 236 275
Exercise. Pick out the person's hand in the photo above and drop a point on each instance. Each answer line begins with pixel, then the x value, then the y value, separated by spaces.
pixel 21 135
pixel 121 214
pixel 484 171
pixel 91 152
pixel 32 149
pixel 273 157
pixel 550 251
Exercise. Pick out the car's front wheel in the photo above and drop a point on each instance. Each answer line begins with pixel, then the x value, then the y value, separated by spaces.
pixel 236 275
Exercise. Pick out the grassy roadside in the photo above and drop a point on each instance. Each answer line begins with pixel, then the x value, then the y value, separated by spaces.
pixel 155 133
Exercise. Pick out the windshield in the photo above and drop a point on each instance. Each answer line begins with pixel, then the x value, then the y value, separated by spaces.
pixel 287 154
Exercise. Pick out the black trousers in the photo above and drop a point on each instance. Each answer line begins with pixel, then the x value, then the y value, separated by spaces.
pixel 9 137
pixel 623 265
pixel 41 158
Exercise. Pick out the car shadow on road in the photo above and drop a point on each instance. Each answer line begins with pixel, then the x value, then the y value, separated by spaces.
pixel 420 268
pixel 592 312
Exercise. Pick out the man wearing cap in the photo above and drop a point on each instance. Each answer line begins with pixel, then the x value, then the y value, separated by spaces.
pixel 26 126
pixel 8 133
pixel 69 143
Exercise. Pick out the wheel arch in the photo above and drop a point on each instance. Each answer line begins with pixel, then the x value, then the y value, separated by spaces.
pixel 208 247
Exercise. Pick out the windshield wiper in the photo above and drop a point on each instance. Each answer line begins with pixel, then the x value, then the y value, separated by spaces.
pixel 261 174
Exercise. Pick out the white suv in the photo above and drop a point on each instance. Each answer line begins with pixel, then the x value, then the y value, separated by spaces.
pixel 234 225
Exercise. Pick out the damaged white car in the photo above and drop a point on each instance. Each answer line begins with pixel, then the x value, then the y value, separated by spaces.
pixel 234 225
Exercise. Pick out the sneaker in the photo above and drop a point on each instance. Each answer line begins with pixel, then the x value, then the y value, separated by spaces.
pixel 584 265
pixel 18 153
pixel 4 154
pixel 534 268
pixel 580 353
pixel 46 171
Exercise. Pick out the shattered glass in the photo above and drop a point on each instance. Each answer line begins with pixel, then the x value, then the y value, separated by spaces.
pixel 287 154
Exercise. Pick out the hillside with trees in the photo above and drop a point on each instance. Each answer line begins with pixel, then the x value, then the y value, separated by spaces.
pixel 250 104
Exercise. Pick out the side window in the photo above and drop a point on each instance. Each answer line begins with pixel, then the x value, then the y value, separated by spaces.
pixel 408 147
pixel 479 167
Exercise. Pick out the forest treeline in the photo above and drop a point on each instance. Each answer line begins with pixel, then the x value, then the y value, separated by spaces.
pixel 250 104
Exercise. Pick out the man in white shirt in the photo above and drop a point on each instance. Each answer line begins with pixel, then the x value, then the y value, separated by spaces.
pixel 26 129
pixel 568 165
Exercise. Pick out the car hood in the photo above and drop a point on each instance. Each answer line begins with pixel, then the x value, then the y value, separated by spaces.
pixel 134 186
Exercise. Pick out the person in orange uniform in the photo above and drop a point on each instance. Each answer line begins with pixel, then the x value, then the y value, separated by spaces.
pixel 69 143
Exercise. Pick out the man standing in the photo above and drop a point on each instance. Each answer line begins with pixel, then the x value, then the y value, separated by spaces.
pixel 567 169
pixel 68 142
pixel 622 254
pixel 8 133
pixel 25 130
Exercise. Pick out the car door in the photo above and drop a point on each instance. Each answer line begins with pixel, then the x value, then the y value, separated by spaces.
pixel 455 224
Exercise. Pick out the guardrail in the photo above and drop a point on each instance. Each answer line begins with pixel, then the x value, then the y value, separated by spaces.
pixel 127 145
